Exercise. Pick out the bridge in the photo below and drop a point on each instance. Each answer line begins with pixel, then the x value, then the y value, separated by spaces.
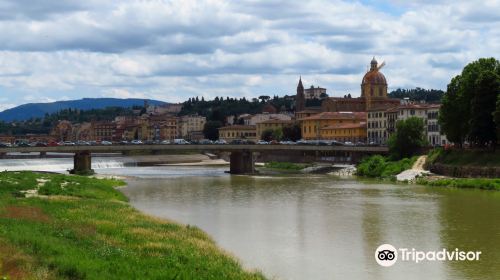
pixel 241 156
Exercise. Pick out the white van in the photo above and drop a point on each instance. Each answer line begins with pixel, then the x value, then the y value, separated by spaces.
pixel 180 142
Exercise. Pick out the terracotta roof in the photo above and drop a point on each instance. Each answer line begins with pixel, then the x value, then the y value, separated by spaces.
pixel 346 125
pixel 337 115
pixel 306 111
pixel 238 127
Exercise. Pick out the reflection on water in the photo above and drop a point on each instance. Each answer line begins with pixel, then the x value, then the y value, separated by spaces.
pixel 319 227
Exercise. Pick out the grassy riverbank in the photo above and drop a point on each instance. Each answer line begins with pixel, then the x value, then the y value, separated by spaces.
pixel 381 167
pixel 82 228
pixel 285 165
pixel 473 183
pixel 483 158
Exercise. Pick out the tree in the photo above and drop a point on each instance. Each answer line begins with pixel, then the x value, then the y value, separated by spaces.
pixel 267 135
pixel 292 132
pixel 497 117
pixel 483 129
pixel 211 130
pixel 467 93
pixel 278 134
pixel 408 139
pixel 264 98
pixel 323 95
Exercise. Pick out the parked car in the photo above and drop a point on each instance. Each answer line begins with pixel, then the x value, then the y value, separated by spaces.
pixel 106 143
pixel 221 142
pixel 82 143
pixel 123 142
pixel 23 144
pixel 262 142
pixel 348 143
pixel 3 145
pixel 68 143
pixel 206 142
pixel 39 144
pixel 165 142
pixel 180 142
pixel 136 142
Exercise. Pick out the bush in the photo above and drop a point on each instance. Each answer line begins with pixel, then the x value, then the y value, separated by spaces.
pixel 380 167
pixel 486 184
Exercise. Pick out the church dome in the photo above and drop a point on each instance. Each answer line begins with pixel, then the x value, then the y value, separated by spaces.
pixel 374 77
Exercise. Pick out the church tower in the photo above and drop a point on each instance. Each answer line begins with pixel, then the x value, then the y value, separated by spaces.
pixel 300 98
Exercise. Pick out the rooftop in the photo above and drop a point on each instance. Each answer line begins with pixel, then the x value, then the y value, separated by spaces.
pixel 337 115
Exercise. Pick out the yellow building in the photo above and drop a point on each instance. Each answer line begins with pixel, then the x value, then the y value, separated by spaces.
pixel 271 124
pixel 233 132
pixel 352 132
pixel 311 126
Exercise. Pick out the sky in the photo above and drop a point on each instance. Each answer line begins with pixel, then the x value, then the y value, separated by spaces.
pixel 173 50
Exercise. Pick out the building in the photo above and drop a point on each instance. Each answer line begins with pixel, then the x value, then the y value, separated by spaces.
pixel 377 125
pixel 162 127
pixel 373 94
pixel 345 132
pixel 315 92
pixel 427 112
pixel 104 130
pixel 307 113
pixel 258 118
pixel 311 126
pixel 300 99
pixel 234 132
pixel 271 124
pixel 189 124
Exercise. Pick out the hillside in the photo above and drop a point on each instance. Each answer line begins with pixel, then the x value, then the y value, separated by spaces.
pixel 26 111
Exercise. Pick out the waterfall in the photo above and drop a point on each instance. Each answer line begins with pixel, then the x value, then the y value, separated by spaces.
pixel 61 164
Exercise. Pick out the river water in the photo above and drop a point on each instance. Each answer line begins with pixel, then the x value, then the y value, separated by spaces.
pixel 320 226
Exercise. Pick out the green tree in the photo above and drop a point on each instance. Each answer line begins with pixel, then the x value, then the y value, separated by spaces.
pixel 278 134
pixel 451 117
pixel 292 132
pixel 408 139
pixel 211 130
pixel 267 135
pixel 497 117
pixel 483 129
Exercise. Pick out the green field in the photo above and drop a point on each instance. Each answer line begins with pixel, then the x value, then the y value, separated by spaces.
pixel 83 228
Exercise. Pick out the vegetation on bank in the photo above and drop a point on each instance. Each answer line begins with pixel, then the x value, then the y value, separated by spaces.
pixel 285 165
pixel 476 183
pixel 82 228
pixel 381 167
pixel 484 158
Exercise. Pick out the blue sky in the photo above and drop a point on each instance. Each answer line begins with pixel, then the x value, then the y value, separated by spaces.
pixel 172 50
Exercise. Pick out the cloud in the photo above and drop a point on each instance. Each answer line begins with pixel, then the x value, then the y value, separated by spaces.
pixel 171 50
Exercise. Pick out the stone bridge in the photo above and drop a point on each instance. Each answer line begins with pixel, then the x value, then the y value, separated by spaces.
pixel 241 156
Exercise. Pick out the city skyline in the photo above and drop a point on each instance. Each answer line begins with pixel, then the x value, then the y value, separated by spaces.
pixel 173 50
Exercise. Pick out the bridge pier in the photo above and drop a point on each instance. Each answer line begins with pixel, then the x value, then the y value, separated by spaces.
pixel 82 163
pixel 241 162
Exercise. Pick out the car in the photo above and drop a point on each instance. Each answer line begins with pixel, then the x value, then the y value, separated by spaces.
pixel 136 142
pixel 106 143
pixel 3 145
pixel 336 143
pixel 165 142
pixel 93 143
pixel 23 144
pixel 262 142
pixel 82 143
pixel 236 142
pixel 180 142
pixel 39 144
pixel 206 142
pixel 123 142
pixel 220 142
pixel 149 142
pixel 348 143
pixel 68 143
pixel 274 142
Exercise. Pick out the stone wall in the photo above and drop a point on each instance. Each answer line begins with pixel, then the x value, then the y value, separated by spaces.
pixel 465 171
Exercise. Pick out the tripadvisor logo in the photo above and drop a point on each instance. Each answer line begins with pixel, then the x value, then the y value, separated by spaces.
pixel 387 255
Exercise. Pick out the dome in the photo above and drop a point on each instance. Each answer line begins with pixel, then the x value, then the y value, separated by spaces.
pixel 374 77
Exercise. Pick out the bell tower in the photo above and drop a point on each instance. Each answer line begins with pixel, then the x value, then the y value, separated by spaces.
pixel 300 99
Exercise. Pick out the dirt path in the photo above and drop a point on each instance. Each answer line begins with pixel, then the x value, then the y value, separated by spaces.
pixel 419 164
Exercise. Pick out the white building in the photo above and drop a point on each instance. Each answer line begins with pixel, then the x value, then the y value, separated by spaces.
pixel 258 118
pixel 314 92
pixel 189 124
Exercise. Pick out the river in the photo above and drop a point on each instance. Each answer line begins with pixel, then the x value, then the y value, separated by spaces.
pixel 320 226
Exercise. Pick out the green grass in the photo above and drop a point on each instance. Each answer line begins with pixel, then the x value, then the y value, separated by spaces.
pixel 380 167
pixel 285 165
pixel 485 184
pixel 83 228
pixel 486 158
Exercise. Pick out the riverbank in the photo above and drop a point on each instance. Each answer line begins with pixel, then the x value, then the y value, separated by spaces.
pixel 381 167
pixel 464 163
pixel 472 183
pixel 56 226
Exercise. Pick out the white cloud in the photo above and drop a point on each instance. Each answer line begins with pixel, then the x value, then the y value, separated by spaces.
pixel 171 50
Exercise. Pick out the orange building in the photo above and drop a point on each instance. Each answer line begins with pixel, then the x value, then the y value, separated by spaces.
pixel 352 132
pixel 312 126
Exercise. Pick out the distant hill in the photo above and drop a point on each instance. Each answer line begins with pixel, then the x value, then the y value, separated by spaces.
pixel 418 94
pixel 27 111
